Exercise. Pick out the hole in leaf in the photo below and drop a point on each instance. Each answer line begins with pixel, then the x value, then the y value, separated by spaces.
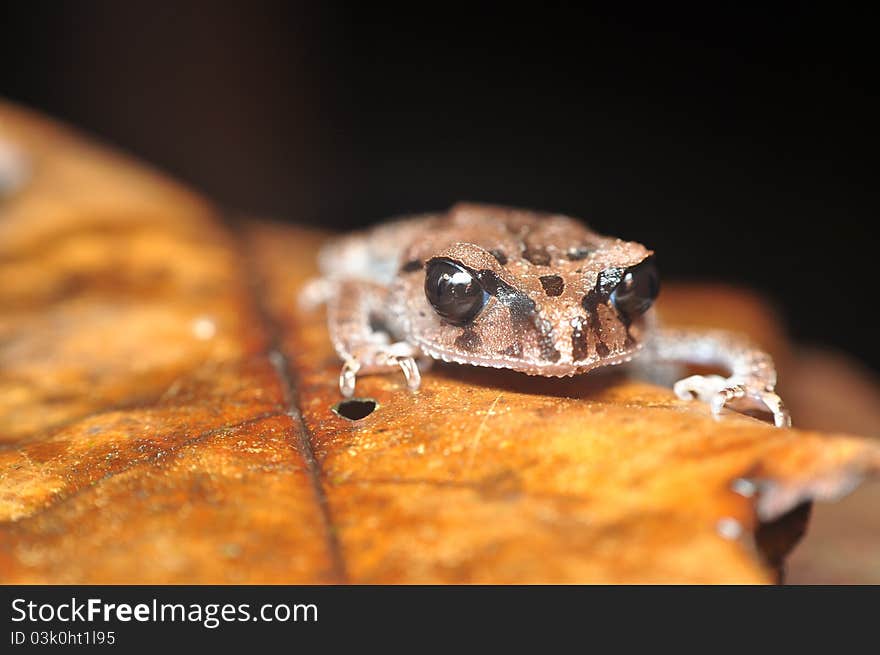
pixel 354 409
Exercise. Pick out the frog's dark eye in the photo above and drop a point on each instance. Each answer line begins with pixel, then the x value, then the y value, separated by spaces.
pixel 453 291
pixel 637 290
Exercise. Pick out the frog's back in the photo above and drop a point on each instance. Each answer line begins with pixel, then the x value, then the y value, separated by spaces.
pixel 376 253
pixel 512 235
pixel 379 253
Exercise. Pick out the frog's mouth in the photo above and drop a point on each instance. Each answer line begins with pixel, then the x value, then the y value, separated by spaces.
pixel 563 368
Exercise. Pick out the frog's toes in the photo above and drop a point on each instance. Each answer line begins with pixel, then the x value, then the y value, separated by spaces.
pixel 348 376
pixel 388 358
pixel 718 391
pixel 770 400
pixel 400 355
pixel 411 372
pixel 700 387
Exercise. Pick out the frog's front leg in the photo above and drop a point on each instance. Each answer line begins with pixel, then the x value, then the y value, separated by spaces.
pixel 363 334
pixel 752 380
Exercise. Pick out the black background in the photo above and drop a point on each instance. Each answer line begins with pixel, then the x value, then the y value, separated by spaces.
pixel 740 143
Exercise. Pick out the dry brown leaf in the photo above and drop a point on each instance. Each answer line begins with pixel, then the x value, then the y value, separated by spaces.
pixel 165 415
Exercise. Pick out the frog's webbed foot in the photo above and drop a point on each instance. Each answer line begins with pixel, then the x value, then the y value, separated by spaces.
pixel 388 358
pixel 718 391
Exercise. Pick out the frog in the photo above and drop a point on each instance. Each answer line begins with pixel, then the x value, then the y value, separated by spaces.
pixel 535 292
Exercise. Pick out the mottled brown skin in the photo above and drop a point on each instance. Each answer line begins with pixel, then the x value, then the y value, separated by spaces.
pixel 548 313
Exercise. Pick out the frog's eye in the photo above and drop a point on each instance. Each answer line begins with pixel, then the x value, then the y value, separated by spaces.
pixel 453 291
pixel 637 289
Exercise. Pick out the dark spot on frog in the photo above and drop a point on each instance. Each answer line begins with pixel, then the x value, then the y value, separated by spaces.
pixel 608 280
pixel 521 306
pixel 598 295
pixel 577 253
pixel 553 285
pixel 412 266
pixel 590 303
pixel 579 349
pixel 536 255
pixel 468 339
pixel 499 254
pixel 524 313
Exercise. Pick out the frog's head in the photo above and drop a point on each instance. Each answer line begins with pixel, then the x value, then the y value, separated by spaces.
pixel 535 293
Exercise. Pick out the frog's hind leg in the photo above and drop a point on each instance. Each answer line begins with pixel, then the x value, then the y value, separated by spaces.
pixel 364 337
pixel 751 383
